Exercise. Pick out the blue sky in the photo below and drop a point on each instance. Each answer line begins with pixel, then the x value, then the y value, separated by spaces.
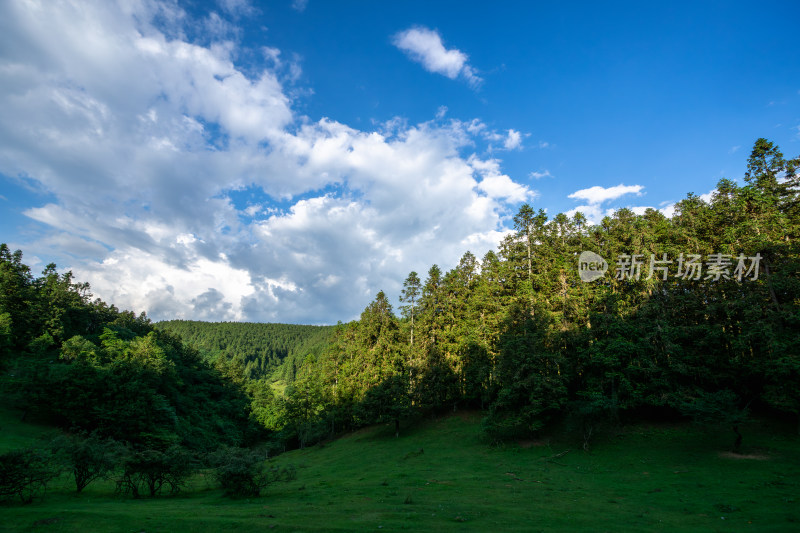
pixel 284 161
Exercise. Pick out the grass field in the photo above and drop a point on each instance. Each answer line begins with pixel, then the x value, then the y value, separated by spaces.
pixel 439 476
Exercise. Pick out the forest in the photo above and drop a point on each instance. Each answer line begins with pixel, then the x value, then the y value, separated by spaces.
pixel 261 350
pixel 696 318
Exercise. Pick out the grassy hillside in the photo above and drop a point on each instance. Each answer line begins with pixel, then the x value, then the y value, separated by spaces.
pixel 439 476
pixel 14 433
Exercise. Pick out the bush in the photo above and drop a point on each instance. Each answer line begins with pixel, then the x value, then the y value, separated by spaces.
pixel 287 473
pixel 87 457
pixel 241 472
pixel 25 473
pixel 150 471
pixel 244 473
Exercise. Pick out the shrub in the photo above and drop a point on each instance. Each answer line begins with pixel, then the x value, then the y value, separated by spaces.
pixel 150 471
pixel 25 473
pixel 87 457
pixel 243 473
pixel 287 473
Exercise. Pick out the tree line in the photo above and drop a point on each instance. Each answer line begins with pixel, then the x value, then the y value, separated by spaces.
pixel 698 316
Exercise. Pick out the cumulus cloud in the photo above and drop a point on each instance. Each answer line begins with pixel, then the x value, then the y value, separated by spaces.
pixel 508 140
pixel 145 141
pixel 598 195
pixel 498 185
pixel 425 46
pixel 513 140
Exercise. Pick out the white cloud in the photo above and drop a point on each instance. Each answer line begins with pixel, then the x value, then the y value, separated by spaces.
pixel 509 140
pixel 709 196
pixel 497 185
pixel 596 196
pixel 142 137
pixel 593 213
pixel 299 5
pixel 513 141
pixel 540 174
pixel 599 195
pixel 236 7
pixel 425 46
pixel 167 290
pixel 668 210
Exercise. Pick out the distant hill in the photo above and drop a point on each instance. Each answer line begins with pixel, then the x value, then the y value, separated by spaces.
pixel 262 350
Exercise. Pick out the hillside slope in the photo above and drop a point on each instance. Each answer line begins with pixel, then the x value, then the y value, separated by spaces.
pixel 439 476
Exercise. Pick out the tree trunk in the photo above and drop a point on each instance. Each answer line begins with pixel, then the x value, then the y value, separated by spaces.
pixel 396 427
pixel 587 434
pixel 772 294
pixel 412 325
pixel 737 445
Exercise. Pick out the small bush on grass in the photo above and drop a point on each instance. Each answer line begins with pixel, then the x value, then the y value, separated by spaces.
pixel 287 473
pixel 244 473
pixel 25 473
pixel 149 472
pixel 240 472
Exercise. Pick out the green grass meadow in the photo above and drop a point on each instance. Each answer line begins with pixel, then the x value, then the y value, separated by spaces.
pixel 440 476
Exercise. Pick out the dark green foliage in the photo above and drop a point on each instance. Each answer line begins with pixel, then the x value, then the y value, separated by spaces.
pixel 82 364
pixel 241 472
pixel 149 472
pixel 254 350
pixel 533 388
pixel 709 409
pixel 5 334
pixel 387 401
pixel 25 473
pixel 244 472
pixel 87 457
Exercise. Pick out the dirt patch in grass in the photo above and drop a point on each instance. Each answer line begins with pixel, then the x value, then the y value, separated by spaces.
pixel 752 456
